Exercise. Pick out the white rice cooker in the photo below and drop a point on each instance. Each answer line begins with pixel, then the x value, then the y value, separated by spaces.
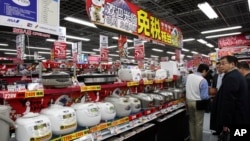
pixel 33 126
pixel 63 119
pixel 87 114
pixel 122 105
pixel 107 110
pixel 135 104
pixel 129 74
pixel 5 123
pixel 161 74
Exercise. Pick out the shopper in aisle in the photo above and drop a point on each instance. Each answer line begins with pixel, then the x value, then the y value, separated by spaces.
pixel 245 71
pixel 196 91
pixel 216 83
pixel 231 101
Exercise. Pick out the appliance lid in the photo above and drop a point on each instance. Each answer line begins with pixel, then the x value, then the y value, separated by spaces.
pixel 30 115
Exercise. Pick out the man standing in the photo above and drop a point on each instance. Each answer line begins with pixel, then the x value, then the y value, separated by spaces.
pixel 196 90
pixel 245 71
pixel 230 104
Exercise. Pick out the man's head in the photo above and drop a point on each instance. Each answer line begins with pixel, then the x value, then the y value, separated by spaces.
pixel 244 68
pixel 203 69
pixel 218 68
pixel 227 63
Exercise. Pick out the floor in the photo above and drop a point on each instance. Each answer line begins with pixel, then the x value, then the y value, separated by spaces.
pixel 207 135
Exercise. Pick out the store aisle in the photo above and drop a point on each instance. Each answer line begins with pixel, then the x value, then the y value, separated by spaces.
pixel 207 135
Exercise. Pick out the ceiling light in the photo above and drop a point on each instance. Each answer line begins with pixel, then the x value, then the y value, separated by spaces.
pixel 207 10
pixel 202 41
pixel 96 49
pixel 9 53
pixel 53 40
pixel 186 50
pixel 77 38
pixel 130 56
pixel 130 47
pixel 154 56
pixel 217 49
pixel 43 52
pixel 12 50
pixel 169 52
pixel 128 40
pixel 222 35
pixel 205 55
pixel 2 44
pixel 187 40
pixel 249 4
pixel 189 56
pixel 79 21
pixel 221 29
pixel 38 48
pixel 194 52
pixel 209 45
pixel 113 55
pixel 111 46
pixel 88 52
pixel 158 50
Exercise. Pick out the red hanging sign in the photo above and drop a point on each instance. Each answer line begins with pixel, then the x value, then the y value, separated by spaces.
pixel 139 49
pixel 60 50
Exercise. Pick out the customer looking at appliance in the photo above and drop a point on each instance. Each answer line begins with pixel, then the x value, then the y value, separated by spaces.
pixel 231 101
pixel 196 91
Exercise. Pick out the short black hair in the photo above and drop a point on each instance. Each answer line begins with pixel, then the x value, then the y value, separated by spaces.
pixel 202 67
pixel 218 63
pixel 231 59
pixel 244 65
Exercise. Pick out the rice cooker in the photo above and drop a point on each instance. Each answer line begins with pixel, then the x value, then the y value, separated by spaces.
pixel 146 100
pixel 177 92
pixel 129 74
pixel 158 100
pixel 56 79
pixel 148 74
pixel 33 127
pixel 161 74
pixel 5 123
pixel 63 119
pixel 107 110
pixel 168 95
pixel 87 114
pixel 122 105
pixel 135 104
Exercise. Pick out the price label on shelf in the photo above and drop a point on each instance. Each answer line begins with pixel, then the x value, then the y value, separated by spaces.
pixel 169 80
pixel 9 95
pixel 129 84
pixel 38 93
pixel 148 82
pixel 158 81
pixel 90 88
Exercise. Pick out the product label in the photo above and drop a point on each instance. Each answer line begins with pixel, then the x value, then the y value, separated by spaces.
pixel 129 84
pixel 29 94
pixel 148 82
pixel 90 88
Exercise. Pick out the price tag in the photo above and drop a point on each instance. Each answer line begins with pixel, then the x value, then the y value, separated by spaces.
pixel 93 129
pixel 90 88
pixel 148 82
pixel 124 120
pixel 9 95
pixel 29 94
pixel 158 81
pixel 163 111
pixel 129 84
pixel 169 80
pixel 153 116
pixel 102 126
pixel 98 136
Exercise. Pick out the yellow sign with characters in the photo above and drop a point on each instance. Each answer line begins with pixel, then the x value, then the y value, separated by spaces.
pixel 148 82
pixel 90 88
pixel 38 93
pixel 132 84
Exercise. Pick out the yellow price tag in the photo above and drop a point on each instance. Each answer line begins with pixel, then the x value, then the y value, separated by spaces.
pixel 103 126
pixel 158 81
pixel 90 88
pixel 132 84
pixel 93 129
pixel 148 82
pixel 124 120
pixel 169 80
pixel 38 93
pixel 115 123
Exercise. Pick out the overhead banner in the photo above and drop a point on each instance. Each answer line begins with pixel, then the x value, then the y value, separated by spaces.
pixel 37 15
pixel 104 48
pixel 123 47
pixel 139 49
pixel 127 17
pixel 60 50
pixel 20 46
pixel 234 51
pixel 234 41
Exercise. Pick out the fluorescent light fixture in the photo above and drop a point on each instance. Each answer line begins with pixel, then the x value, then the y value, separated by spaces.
pixel 186 50
pixel 43 52
pixel 169 52
pixel 130 56
pixel 221 29
pixel 53 40
pixel 194 52
pixel 2 44
pixel 128 40
pixel 188 39
pixel 209 45
pixel 202 41
pixel 68 56
pixel 158 50
pixel 249 5
pixel 77 38
pixel 204 55
pixel 189 56
pixel 114 55
pixel 217 49
pixel 222 35
pixel 9 53
pixel 130 47
pixel 68 53
pixel 79 21
pixel 88 52
pixel 11 50
pixel 154 56
pixel 207 10
pixel 38 48
pixel 96 49
pixel 111 46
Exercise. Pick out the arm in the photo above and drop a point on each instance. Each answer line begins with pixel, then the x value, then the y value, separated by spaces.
pixel 204 89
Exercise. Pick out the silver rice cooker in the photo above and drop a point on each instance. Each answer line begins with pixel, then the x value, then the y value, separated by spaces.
pixel 122 105
pixel 146 100
pixel 135 104
pixel 63 119
pixel 158 100
pixel 87 114
pixel 107 110
pixel 56 79
pixel 177 92
pixel 168 95
pixel 33 127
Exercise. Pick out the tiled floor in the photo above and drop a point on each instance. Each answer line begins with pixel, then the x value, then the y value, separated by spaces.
pixel 207 135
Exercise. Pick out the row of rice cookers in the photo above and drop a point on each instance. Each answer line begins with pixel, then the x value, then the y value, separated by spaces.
pixel 129 74
pixel 32 127
pixel 148 74
pixel 56 79
pixel 149 100
pixel 63 119
pixel 124 106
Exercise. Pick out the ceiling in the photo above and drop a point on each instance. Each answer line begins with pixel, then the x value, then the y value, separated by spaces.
pixel 181 13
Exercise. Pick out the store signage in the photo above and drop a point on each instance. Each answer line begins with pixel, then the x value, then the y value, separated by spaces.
pixel 62 34
pixel 60 50
pixel 127 17
pixel 234 41
pixel 139 49
pixel 75 55
pixel 123 46
pixel 213 56
pixel 93 59
pixel 232 51
pixel 20 44
pixel 104 48
pixel 90 88
pixel 37 15
pixel 178 55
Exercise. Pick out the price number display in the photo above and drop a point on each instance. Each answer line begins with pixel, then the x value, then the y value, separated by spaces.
pixel 148 82
pixel 90 88
pixel 39 93
pixel 158 81
pixel 129 84
pixel 9 95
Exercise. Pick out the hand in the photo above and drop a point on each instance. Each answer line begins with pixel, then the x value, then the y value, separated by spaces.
pixel 225 129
